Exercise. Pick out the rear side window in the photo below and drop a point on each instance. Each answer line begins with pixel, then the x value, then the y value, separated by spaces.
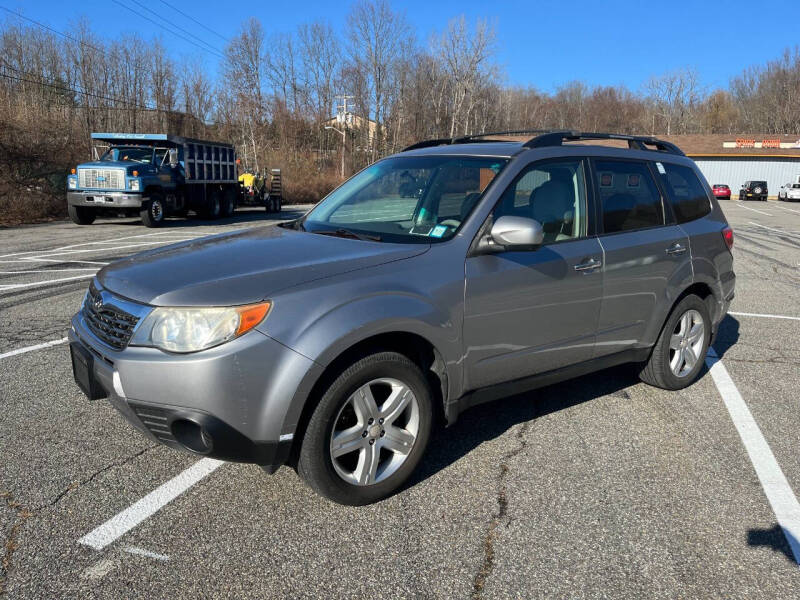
pixel 686 193
pixel 628 196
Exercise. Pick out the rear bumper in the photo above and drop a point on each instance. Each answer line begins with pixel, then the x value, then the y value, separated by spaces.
pixel 231 402
pixel 101 199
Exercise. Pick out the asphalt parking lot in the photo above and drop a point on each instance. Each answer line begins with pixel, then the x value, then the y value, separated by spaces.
pixel 601 487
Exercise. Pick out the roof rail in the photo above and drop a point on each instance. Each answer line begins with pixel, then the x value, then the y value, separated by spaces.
pixel 428 144
pixel 549 137
pixel 465 139
pixel 636 142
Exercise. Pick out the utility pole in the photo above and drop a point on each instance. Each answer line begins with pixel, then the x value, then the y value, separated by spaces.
pixel 344 137
pixel 343 118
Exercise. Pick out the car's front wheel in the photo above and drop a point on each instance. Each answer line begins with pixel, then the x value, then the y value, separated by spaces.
pixel 680 351
pixel 369 430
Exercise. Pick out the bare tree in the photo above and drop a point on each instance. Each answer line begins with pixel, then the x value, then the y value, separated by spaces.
pixel 465 56
pixel 675 96
pixel 374 31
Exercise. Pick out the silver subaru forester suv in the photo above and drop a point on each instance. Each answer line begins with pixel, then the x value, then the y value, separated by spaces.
pixel 453 273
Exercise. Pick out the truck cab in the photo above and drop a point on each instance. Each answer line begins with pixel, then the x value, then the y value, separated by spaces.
pixel 153 175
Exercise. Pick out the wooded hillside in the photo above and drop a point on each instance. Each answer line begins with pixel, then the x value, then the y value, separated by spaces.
pixel 275 91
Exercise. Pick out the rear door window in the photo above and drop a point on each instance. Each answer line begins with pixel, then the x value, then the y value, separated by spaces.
pixel 629 197
pixel 686 193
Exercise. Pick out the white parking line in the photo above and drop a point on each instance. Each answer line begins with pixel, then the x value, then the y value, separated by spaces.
pixel 45 271
pixel 791 233
pixel 755 210
pixel 773 481
pixel 142 552
pixel 20 286
pixel 123 522
pixel 787 208
pixel 763 316
pixel 32 348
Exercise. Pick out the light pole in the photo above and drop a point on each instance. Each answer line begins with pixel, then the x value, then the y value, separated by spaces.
pixel 344 137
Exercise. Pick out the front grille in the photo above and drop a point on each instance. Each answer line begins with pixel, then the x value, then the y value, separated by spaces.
pixel 109 323
pixel 106 179
pixel 156 420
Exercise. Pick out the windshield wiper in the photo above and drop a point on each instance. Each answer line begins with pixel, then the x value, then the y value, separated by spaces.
pixel 346 233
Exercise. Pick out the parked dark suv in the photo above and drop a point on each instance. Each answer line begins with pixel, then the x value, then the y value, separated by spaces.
pixel 450 274
pixel 754 190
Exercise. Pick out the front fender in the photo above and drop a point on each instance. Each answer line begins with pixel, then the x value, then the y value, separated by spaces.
pixel 327 334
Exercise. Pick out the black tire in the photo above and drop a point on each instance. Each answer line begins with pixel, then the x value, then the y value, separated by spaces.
pixel 657 370
pixel 315 464
pixel 81 215
pixel 153 211
pixel 269 204
pixel 213 207
pixel 228 204
pixel 278 204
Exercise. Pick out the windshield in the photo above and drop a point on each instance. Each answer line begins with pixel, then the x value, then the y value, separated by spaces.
pixel 129 153
pixel 415 199
pixel 795 186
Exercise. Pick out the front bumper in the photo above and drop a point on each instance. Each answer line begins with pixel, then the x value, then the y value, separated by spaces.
pixel 103 199
pixel 235 402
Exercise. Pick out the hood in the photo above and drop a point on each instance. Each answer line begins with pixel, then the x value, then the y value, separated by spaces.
pixel 242 267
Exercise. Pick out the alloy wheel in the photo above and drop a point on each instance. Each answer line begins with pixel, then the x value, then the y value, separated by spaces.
pixel 686 343
pixel 374 432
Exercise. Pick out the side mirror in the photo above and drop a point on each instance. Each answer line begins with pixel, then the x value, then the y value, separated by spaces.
pixel 173 158
pixel 510 233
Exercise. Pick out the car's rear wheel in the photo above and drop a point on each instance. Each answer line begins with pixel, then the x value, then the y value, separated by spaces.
pixel 369 430
pixel 678 355
pixel 81 215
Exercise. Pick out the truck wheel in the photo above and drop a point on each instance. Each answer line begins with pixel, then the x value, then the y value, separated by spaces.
pixel 214 206
pixel 369 430
pixel 277 204
pixel 228 204
pixel 152 212
pixel 81 215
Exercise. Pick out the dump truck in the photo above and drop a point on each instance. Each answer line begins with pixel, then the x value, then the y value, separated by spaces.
pixel 153 175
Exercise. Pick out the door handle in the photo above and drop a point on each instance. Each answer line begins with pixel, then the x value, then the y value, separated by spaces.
pixel 676 248
pixel 590 264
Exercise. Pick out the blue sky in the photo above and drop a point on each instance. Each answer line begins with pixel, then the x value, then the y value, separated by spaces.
pixel 542 43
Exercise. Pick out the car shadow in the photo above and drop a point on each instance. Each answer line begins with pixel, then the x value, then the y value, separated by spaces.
pixel 489 421
pixel 774 538
pixel 727 335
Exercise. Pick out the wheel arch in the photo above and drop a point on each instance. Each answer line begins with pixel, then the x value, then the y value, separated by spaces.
pixel 700 289
pixel 153 189
pixel 417 348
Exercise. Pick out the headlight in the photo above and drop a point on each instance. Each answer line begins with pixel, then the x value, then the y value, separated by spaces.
pixel 193 329
pixel 135 185
pixel 72 183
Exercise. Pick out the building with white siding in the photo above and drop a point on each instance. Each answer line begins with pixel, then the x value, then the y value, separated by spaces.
pixel 734 159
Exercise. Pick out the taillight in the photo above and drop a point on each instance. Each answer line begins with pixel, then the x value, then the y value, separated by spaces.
pixel 727 234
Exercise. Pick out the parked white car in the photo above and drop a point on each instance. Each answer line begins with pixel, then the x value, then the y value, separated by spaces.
pixel 789 191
